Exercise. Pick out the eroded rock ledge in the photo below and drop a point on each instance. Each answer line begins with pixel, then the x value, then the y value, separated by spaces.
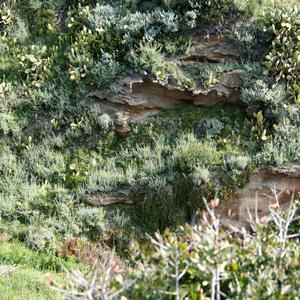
pixel 254 200
pixel 142 97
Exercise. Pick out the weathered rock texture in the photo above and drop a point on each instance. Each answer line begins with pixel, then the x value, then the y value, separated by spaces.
pixel 122 197
pixel 142 97
pixel 256 197
pixel 213 49
pixel 121 124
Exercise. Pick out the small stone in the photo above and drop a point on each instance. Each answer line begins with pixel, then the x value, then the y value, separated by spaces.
pixel 121 124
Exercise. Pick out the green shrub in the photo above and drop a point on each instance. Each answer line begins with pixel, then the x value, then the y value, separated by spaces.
pixel 8 161
pixel 39 238
pixel 9 123
pixel 188 264
pixel 263 91
pixel 19 30
pixel 203 260
pixel 237 163
pixel 91 221
pixel 105 30
pixel 12 253
pixel 148 57
pixel 190 152
pixel 281 150
pixel 35 65
pixel 200 175
pixel 209 128
pixel 248 7
pixel 104 71
pixel 195 12
pixel 249 39
pixel 45 163
pixel 105 121
pixel 283 61
pixel 6 18
pixel 206 75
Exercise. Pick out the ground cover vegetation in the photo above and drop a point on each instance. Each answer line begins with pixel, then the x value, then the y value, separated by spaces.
pixel 58 149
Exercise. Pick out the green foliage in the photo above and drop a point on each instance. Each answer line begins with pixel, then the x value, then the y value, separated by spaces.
pixel 204 261
pixel 105 70
pixel 249 39
pixel 35 64
pixel 197 12
pixel 190 153
pixel 185 263
pixel 205 75
pixel 280 150
pixel 249 7
pixel 45 163
pixel 91 220
pixel 104 32
pixel 8 123
pixel 209 128
pixel 200 175
pixel 58 149
pixel 263 91
pixel 14 253
pixel 26 283
pixel 237 163
pixel 148 57
pixel 6 18
pixel 39 238
pixel 283 61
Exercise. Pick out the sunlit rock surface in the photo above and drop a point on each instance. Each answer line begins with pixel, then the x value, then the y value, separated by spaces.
pixel 266 187
pixel 142 97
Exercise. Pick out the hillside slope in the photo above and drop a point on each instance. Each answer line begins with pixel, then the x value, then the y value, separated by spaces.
pixel 119 119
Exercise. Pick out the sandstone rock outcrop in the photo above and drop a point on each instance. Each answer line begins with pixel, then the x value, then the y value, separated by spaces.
pixel 254 200
pixel 142 97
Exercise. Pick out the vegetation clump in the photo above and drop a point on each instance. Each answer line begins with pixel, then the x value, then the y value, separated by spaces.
pixel 59 150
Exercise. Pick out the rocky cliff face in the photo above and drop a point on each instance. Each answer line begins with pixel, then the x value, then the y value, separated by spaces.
pixel 139 97
pixel 267 186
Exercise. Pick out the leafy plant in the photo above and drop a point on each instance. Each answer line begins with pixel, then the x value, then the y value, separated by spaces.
pixel 148 57
pixel 105 70
pixel 263 91
pixel 36 64
pixel 6 18
pixel 247 38
pixel 209 128
pixel 283 61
